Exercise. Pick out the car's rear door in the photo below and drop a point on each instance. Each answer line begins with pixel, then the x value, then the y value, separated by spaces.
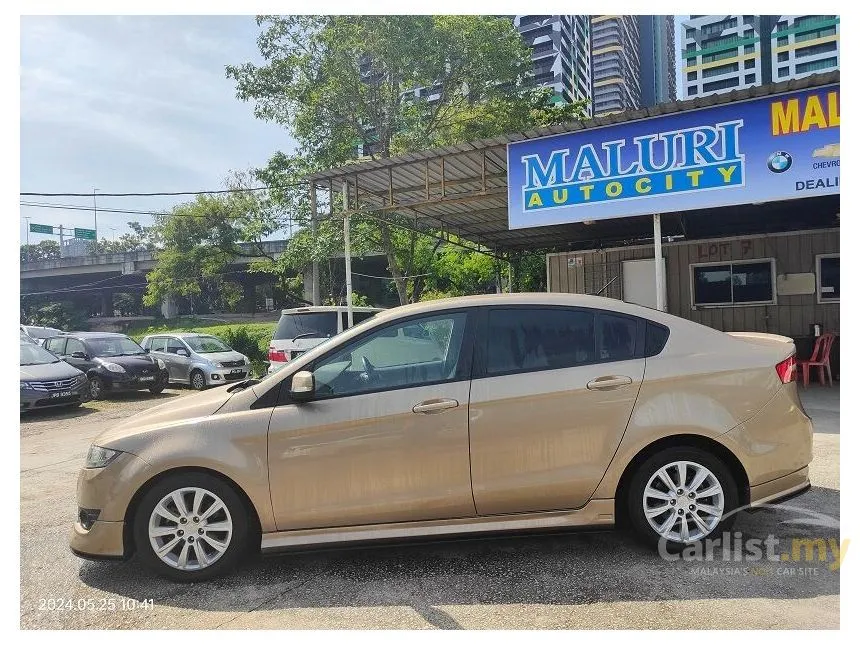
pixel 386 438
pixel 553 391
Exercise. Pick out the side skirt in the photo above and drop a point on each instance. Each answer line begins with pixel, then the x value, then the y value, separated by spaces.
pixel 598 513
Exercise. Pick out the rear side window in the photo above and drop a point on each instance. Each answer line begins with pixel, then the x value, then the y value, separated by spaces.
pixel 521 340
pixel 321 324
pixel 74 345
pixel 616 337
pixel 158 344
pixel 357 317
pixel 655 338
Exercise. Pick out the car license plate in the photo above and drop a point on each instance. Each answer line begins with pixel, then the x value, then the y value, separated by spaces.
pixel 59 395
pixel 236 371
pixel 147 379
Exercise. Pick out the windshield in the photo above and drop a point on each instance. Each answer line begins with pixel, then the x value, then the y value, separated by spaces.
pixel 32 354
pixel 114 346
pixel 206 344
pixel 313 324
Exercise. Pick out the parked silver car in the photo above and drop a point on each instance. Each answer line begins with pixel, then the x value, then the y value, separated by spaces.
pixel 198 360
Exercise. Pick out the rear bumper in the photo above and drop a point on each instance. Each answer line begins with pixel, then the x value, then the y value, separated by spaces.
pixel 780 489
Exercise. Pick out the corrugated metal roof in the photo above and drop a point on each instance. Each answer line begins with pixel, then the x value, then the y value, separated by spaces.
pixel 462 189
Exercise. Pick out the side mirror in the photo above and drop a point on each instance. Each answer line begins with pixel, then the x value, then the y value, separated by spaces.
pixel 182 352
pixel 80 355
pixel 302 386
pixel 147 350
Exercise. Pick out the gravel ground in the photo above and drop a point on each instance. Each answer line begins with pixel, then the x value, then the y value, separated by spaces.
pixel 574 580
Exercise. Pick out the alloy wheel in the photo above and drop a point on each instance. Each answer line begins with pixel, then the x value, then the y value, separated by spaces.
pixel 198 381
pixel 683 502
pixel 190 529
pixel 95 388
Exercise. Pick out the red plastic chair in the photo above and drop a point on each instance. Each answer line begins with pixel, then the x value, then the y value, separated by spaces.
pixel 820 358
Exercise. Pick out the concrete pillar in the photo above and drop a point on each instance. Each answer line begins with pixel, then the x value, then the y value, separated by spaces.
pixel 107 302
pixel 249 296
pixel 169 308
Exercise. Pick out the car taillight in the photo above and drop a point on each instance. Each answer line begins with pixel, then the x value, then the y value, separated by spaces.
pixel 787 370
pixel 277 355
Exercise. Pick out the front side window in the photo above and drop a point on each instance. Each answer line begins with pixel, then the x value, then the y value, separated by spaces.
pixel 521 340
pixel 158 344
pixel 733 283
pixel 828 278
pixel 406 354
pixel 55 345
pixel 173 346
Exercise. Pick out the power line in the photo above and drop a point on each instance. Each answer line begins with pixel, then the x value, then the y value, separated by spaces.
pixel 125 211
pixel 168 193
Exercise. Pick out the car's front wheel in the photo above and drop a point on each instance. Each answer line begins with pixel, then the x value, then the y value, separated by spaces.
pixel 198 380
pixel 191 527
pixel 97 388
pixel 680 496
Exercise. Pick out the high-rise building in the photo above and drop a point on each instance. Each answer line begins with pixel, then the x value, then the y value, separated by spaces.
pixel 804 45
pixel 561 54
pixel 724 53
pixel 633 62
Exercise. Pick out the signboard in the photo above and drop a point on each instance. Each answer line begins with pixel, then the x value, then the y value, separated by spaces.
pixel 41 228
pixel 85 234
pixel 773 148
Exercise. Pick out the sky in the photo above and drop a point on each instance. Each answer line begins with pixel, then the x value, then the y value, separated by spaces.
pixel 134 104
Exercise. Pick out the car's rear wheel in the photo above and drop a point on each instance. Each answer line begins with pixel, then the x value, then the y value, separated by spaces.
pixel 680 496
pixel 97 388
pixel 198 380
pixel 191 527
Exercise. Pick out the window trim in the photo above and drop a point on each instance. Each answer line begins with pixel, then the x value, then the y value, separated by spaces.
pixel 819 300
pixel 463 371
pixel 479 366
pixel 758 303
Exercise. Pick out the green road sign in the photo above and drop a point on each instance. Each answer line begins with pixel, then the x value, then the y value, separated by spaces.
pixel 85 233
pixel 41 228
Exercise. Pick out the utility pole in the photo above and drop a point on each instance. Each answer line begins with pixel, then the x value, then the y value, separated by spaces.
pixel 28 235
pixel 95 222
pixel 61 240
pixel 347 252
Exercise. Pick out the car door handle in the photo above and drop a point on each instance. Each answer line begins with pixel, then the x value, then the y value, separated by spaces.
pixel 434 406
pixel 608 382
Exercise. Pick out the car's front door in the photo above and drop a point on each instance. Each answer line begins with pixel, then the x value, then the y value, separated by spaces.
pixel 75 353
pixel 178 362
pixel 386 437
pixel 550 401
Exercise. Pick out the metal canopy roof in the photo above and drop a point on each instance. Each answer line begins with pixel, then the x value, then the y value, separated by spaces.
pixel 462 189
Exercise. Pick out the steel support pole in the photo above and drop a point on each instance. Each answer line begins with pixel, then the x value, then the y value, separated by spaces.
pixel 347 253
pixel 659 278
pixel 315 265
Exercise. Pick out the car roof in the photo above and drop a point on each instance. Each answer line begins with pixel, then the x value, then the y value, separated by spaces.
pixel 94 334
pixel 180 334
pixel 326 308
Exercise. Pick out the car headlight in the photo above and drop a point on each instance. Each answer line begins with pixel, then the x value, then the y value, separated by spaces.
pixel 26 386
pixel 80 378
pixel 160 363
pixel 99 457
pixel 113 367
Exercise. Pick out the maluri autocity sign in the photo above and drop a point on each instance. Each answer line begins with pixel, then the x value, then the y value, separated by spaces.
pixel 767 149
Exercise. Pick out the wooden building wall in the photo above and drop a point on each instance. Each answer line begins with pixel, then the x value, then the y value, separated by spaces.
pixel 591 271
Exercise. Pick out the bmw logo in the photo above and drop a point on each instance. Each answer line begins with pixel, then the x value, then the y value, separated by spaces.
pixel 779 161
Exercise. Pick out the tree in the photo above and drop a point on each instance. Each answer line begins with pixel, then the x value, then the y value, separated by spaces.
pixel 141 238
pixel 199 239
pixel 338 83
pixel 44 250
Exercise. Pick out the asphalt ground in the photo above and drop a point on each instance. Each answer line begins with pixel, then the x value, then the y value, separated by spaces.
pixel 574 580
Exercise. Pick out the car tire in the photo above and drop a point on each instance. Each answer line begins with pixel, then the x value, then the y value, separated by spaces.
pixel 97 388
pixel 153 530
pixel 197 380
pixel 707 495
pixel 159 387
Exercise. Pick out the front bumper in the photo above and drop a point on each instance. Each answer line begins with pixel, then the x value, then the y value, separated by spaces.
pixel 109 490
pixel 36 400
pixel 126 382
pixel 224 375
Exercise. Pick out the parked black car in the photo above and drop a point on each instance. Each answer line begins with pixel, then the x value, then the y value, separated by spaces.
pixel 112 362
pixel 47 381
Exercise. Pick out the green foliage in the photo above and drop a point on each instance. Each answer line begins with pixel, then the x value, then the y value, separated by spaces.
pixel 141 238
pixel 337 82
pixel 60 315
pixel 44 250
